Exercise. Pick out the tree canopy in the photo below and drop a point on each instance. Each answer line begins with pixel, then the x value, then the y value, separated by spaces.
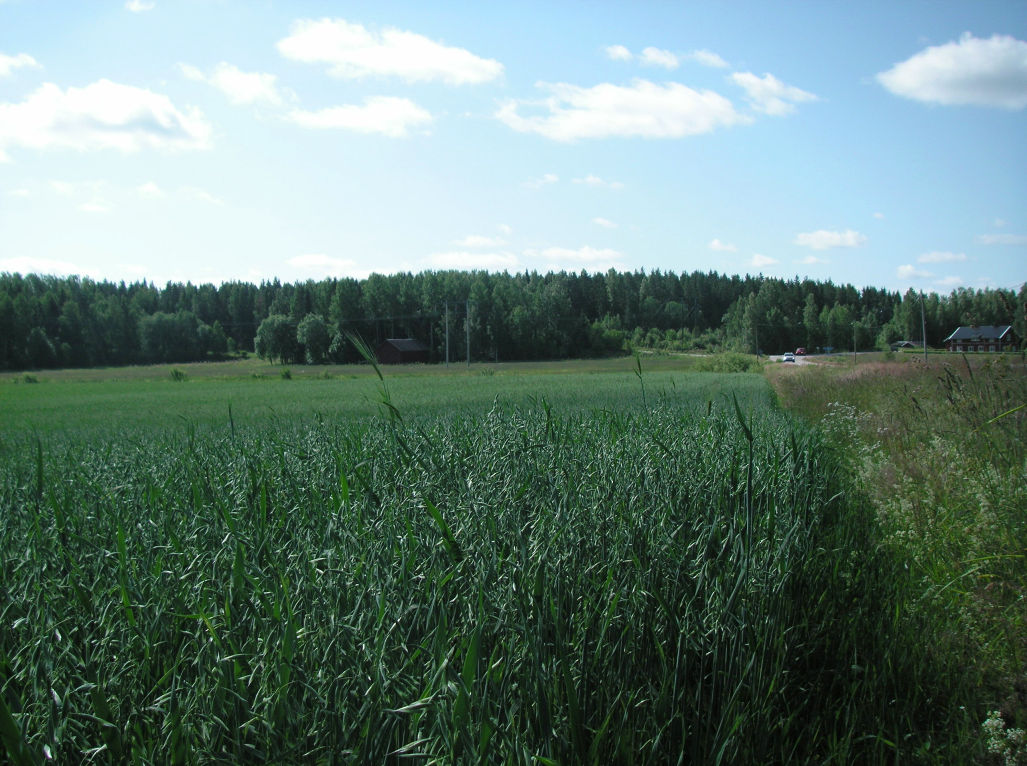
pixel 48 321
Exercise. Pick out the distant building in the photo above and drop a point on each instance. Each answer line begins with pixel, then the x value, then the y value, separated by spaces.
pixel 401 351
pixel 900 344
pixel 987 338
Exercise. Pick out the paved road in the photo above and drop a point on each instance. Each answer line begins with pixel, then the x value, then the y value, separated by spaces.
pixel 816 358
pixel 799 360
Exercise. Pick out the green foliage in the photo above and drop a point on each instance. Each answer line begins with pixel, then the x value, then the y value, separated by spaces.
pixel 597 581
pixel 39 351
pixel 941 450
pixel 728 362
pixel 312 334
pixel 170 337
pixel 178 375
pixel 276 339
pixel 505 316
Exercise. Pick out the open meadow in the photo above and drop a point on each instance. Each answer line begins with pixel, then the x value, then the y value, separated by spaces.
pixel 607 564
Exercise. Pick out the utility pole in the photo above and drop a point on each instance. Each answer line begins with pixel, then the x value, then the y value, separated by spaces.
pixel 923 326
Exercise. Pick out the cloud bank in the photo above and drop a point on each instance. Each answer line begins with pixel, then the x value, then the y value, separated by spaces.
pixel 102 115
pixel 825 240
pixel 351 51
pixel 973 71
pixel 388 115
pixel 9 63
pixel 643 109
pixel 240 87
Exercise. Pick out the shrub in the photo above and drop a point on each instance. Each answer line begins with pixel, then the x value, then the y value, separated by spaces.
pixel 728 362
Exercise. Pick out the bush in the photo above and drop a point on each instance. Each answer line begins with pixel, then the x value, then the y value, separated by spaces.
pixel 728 362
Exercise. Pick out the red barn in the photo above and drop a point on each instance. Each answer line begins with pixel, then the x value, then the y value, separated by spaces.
pixel 401 351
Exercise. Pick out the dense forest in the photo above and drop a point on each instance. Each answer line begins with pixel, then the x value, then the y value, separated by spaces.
pixel 48 321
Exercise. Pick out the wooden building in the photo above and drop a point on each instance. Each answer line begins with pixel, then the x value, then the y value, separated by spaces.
pixel 401 351
pixel 986 338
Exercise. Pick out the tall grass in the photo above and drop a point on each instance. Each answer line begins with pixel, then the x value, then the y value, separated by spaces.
pixel 941 451
pixel 686 582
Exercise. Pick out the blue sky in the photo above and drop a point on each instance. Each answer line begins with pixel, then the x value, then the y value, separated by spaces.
pixel 878 144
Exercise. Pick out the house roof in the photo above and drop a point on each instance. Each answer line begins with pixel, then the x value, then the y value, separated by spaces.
pixel 406 344
pixel 982 332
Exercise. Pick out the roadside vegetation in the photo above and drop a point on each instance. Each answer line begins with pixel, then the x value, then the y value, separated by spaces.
pixel 629 567
pixel 941 452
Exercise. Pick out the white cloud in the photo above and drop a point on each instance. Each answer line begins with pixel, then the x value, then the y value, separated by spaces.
pixel 86 196
pixel 656 57
pixel 605 223
pixel 908 271
pixel 722 247
pixel 949 281
pixel 30 265
pixel 102 115
pixel 240 87
pixel 591 180
pixel 809 260
pixel 643 109
pixel 588 258
pixel 477 240
pixel 505 230
pixel 759 260
pixel 93 190
pixel 769 95
pixel 973 71
pixel 388 115
pixel 941 257
pixel 879 216
pixel 9 63
pixel 999 223
pixel 473 261
pixel 352 51
pixel 24 193
pixel 545 180
pixel 149 189
pixel 824 240
pixel 138 6
pixel 202 195
pixel 320 264
pixel 1002 239
pixel 707 58
pixel 618 53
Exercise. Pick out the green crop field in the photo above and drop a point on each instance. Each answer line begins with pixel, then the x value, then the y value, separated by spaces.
pixel 649 566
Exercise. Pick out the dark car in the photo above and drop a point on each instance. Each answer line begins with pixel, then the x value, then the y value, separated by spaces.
pixel 800 352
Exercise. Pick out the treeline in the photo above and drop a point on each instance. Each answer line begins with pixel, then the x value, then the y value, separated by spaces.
pixel 48 321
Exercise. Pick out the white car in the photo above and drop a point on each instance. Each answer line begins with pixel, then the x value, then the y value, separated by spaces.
pixel 789 357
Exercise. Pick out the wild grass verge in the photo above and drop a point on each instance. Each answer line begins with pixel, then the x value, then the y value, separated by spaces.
pixel 941 451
